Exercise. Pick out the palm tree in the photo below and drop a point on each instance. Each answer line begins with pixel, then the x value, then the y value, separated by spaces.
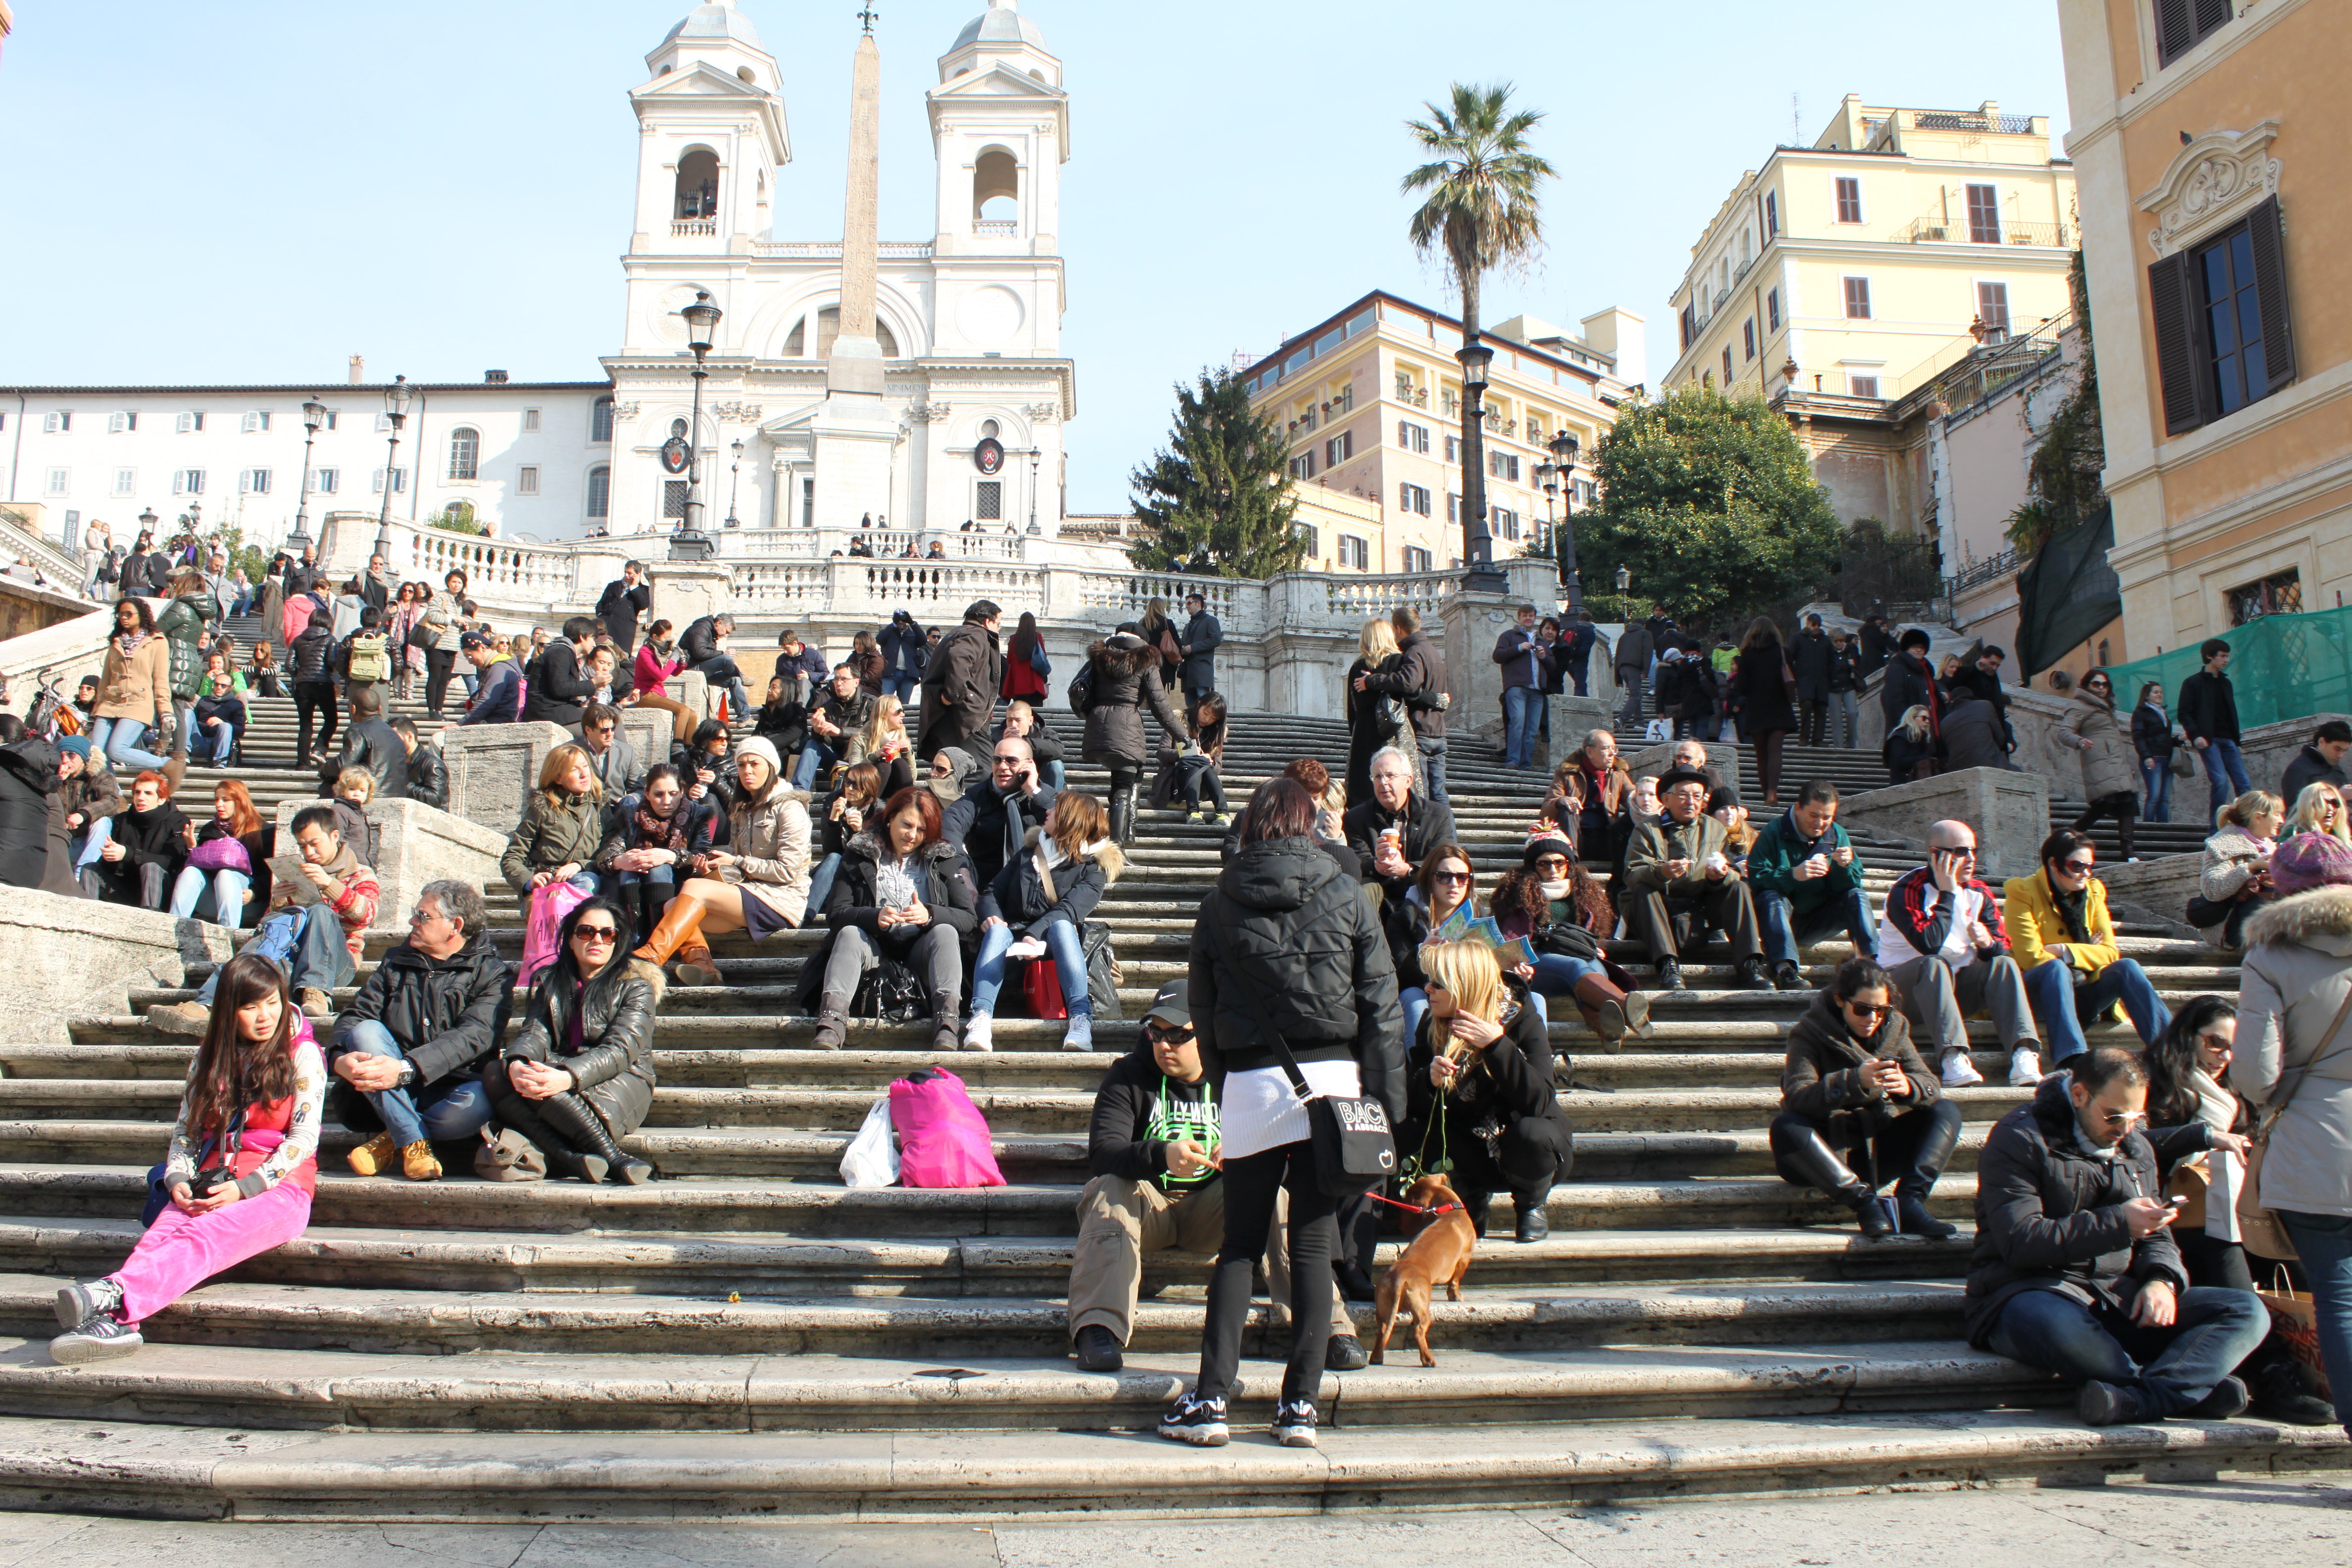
pixel 1481 210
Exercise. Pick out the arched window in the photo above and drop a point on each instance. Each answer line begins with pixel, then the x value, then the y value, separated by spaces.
pixel 828 328
pixel 796 341
pixel 996 187
pixel 698 184
pixel 600 420
pixel 464 452
pixel 599 492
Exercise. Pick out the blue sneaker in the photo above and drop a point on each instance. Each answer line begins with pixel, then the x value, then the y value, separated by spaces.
pixel 1201 1422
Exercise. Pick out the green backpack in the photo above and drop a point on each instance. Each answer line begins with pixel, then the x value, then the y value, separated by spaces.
pixel 370 661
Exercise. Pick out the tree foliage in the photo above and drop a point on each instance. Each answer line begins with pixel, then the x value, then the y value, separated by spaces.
pixel 1481 210
pixel 457 517
pixel 1217 499
pixel 1708 502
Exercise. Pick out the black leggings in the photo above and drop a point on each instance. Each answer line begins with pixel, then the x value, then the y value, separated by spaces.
pixel 1198 779
pixel 1768 744
pixel 2124 807
pixel 313 698
pixel 1124 776
pixel 1252 1183
pixel 438 663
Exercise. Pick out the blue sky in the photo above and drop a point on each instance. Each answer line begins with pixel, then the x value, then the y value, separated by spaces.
pixel 257 189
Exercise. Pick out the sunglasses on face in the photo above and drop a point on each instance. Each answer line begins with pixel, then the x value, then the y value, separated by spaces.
pixel 1865 1010
pixel 1449 877
pixel 2214 1043
pixel 596 935
pixel 1550 864
pixel 2075 868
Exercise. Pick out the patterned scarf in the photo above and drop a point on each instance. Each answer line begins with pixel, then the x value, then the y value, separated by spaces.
pixel 660 832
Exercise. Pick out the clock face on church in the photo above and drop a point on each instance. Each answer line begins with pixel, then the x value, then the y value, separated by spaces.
pixel 989 456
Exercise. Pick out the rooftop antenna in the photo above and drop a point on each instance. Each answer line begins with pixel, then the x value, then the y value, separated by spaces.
pixel 868 16
pixel 1796 124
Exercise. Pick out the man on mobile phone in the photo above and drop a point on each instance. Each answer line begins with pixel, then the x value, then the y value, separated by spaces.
pixel 1940 936
pixel 2076 1270
pixel 992 819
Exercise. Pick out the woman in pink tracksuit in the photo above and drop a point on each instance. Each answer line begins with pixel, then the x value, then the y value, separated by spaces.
pixel 249 1117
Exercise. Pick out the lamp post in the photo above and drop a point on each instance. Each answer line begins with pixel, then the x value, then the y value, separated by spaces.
pixel 314 413
pixel 1477 544
pixel 689 543
pixel 1564 450
pixel 1033 492
pixel 735 484
pixel 395 407
pixel 1625 605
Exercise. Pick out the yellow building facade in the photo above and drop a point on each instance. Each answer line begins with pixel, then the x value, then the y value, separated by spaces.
pixel 1370 400
pixel 2206 135
pixel 1866 264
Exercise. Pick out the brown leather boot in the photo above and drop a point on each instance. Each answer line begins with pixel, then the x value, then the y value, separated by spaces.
pixel 681 927
pixel 1612 1013
pixel 694 965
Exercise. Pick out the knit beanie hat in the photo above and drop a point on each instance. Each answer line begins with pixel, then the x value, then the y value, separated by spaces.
pixel 2311 861
pixel 77 744
pixel 1544 844
pixel 761 748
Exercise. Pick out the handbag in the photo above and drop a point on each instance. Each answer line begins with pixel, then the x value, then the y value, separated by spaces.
pixel 2260 1229
pixel 2189 1181
pixel 1355 1148
pixel 1041 987
pixel 2180 765
pixel 2294 1318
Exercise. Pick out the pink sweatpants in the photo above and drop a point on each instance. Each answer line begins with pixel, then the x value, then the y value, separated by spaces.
pixel 181 1251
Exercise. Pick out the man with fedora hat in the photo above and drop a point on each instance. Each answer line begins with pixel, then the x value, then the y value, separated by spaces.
pixel 1678 869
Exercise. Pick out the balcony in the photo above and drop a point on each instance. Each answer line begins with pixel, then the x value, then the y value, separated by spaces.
pixel 1414 396
pixel 1982 571
pixel 996 229
pixel 694 228
pixel 1970 120
pixel 1945 231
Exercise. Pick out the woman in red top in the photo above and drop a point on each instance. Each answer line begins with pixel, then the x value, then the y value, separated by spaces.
pixel 1025 667
pixel 657 661
pixel 248 1131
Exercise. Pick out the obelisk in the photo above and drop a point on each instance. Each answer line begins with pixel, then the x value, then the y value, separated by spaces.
pixel 855 435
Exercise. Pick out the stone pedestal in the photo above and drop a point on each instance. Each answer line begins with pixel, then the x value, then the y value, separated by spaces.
pixel 647 731
pixel 1721 755
pixel 415 844
pixel 2010 811
pixel 1572 719
pixel 79 957
pixel 1471 623
pixel 685 591
pixel 2157 889
pixel 493 768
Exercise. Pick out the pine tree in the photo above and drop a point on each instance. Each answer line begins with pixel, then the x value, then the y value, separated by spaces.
pixel 1217 500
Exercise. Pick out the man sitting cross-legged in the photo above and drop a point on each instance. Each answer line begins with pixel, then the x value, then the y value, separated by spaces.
pixel 2075 1269
pixel 1940 935
pixel 1153 1151
pixel 1677 865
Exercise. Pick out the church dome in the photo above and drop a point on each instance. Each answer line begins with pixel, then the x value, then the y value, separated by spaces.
pixel 1001 23
pixel 718 20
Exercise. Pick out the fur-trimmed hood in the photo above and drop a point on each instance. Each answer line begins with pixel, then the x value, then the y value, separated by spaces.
pixel 2320 919
pixel 1104 853
pixel 1123 654
pixel 651 975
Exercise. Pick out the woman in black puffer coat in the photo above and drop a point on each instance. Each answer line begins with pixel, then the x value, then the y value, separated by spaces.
pixel 1761 681
pixel 1125 677
pixel 900 852
pixel 575 1101
pixel 1287 949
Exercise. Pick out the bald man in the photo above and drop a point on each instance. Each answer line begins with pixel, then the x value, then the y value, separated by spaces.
pixel 1941 939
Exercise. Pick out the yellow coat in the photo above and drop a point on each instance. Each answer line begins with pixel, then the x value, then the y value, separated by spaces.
pixel 2031 912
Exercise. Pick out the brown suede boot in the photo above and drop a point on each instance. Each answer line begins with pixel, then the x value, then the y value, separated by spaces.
pixel 694 965
pixel 1612 1013
pixel 681 927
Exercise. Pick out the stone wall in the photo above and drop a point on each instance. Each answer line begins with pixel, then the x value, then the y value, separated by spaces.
pixel 493 768
pixel 77 958
pixel 415 844
pixel 2156 889
pixel 2010 811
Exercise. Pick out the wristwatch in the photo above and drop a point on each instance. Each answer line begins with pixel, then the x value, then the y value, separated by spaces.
pixel 408 1075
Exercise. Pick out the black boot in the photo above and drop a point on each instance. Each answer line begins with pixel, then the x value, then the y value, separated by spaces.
pixel 1529 1208
pixel 1670 974
pixel 1786 978
pixel 1131 795
pixel 577 1122
pixel 1122 818
pixel 1911 1189
pixel 563 1160
pixel 2277 1386
pixel 1807 1159
pixel 1749 974
pixel 946 1020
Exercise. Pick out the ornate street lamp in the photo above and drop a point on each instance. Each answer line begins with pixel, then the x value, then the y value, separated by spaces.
pixel 1564 452
pixel 1477 544
pixel 735 483
pixel 701 317
pixel 1033 492
pixel 395 407
pixel 1625 605
pixel 314 415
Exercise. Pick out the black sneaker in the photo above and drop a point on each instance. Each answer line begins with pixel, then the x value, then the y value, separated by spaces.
pixel 1098 1350
pixel 2104 1404
pixel 2278 1395
pixel 1201 1422
pixel 1346 1353
pixel 98 1338
pixel 2229 1398
pixel 1294 1423
pixel 1747 975
pixel 77 1304
pixel 1786 978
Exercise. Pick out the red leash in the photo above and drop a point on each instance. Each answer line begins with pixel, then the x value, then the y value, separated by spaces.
pixel 1415 1208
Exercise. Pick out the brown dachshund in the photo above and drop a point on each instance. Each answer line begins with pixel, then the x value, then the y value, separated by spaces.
pixel 1441 1252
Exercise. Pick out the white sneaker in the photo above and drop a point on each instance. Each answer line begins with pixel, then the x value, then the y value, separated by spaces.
pixel 1080 1035
pixel 1959 1071
pixel 977 1035
pixel 2024 1066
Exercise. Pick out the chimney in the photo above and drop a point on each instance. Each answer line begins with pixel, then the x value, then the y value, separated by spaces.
pixel 358 370
pixel 495 377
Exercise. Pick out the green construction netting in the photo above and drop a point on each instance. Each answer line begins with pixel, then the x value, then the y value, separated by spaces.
pixel 2281 667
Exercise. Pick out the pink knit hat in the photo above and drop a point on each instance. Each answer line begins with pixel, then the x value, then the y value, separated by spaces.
pixel 2311 861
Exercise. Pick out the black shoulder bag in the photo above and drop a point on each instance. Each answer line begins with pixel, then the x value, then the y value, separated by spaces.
pixel 1355 1148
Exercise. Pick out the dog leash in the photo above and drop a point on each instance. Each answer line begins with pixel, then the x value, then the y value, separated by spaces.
pixel 1416 1208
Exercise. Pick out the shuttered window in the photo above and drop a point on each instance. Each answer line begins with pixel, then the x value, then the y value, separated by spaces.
pixel 2224 333
pixel 2183 25
pixel 1848 200
pixel 1857 299
pixel 1984 215
pixel 1992 310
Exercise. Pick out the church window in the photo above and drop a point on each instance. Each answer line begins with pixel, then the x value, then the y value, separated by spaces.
pixel 796 341
pixel 599 492
pixel 828 328
pixel 698 184
pixel 464 452
pixel 988 429
pixel 996 187
pixel 677 429
pixel 743 73
pixel 989 504
pixel 600 420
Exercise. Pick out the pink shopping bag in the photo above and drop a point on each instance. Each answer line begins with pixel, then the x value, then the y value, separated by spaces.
pixel 942 1137
pixel 549 905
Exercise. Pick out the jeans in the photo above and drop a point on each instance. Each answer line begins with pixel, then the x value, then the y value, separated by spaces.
pixel 1062 940
pixel 820 885
pixel 1055 774
pixel 221 734
pixel 117 740
pixel 814 758
pixel 1632 681
pixel 228 891
pixel 901 685
pixel 444 1110
pixel 1520 705
pixel 722 672
pixel 2169 1369
pixel 1581 676
pixel 1253 1183
pixel 1783 933
pixel 1556 974
pixel 308 945
pixel 243 604
pixel 2325 1241
pixel 2226 770
pixel 1432 758
pixel 2063 999
pixel 1204 781
pixel 2156 782
pixel 1844 721
pixel 1415 1003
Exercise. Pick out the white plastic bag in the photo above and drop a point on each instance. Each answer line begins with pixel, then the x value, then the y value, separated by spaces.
pixel 1659 729
pixel 872 1159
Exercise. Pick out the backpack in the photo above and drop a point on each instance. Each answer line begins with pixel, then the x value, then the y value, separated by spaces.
pixel 1082 690
pixel 1102 970
pixel 370 660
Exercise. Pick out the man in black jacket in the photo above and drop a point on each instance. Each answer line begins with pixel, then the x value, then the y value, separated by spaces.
pixel 993 818
pixel 960 678
pixel 1810 656
pixel 2209 716
pixel 1396 830
pixel 2076 1270
pixel 428 779
pixel 560 684
pixel 838 716
pixel 1199 642
pixel 2321 762
pixel 1152 1152
pixel 703 643
pixel 1877 645
pixel 371 744
pixel 625 598
pixel 1419 682
pixel 408 1052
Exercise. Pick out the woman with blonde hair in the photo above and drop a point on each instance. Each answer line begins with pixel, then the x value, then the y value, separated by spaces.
pixel 1046 896
pixel 2320 809
pixel 1377 653
pixel 1478 1089
pixel 883 743
pixel 1910 746
pixel 561 827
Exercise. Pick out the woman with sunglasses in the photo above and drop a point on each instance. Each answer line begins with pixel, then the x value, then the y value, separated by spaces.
pixel 2320 809
pixel 2110 761
pixel 2064 941
pixel 579 1075
pixel 1555 904
pixel 1855 1093
pixel 1445 884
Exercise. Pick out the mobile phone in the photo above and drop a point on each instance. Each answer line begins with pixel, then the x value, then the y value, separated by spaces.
pixel 2176 1202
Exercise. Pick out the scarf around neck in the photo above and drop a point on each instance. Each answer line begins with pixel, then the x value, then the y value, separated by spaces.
pixel 2074 909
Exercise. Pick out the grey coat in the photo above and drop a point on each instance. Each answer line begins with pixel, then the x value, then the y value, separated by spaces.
pixel 2297 968
pixel 1115 716
pixel 2112 764
pixel 614 1066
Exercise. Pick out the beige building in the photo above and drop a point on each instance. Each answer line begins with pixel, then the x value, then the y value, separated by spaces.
pixel 2213 238
pixel 1847 275
pixel 1371 402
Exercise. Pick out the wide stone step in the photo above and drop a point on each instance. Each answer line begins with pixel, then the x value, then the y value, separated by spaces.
pixel 637 1391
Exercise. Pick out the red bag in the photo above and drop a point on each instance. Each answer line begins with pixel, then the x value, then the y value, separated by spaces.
pixel 1040 983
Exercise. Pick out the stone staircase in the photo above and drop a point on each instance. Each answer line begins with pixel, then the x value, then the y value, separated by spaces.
pixel 749 1337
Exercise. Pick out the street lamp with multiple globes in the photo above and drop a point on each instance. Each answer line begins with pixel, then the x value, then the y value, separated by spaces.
pixel 395 407
pixel 314 415
pixel 689 543
pixel 735 483
pixel 1477 544
pixel 1564 452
